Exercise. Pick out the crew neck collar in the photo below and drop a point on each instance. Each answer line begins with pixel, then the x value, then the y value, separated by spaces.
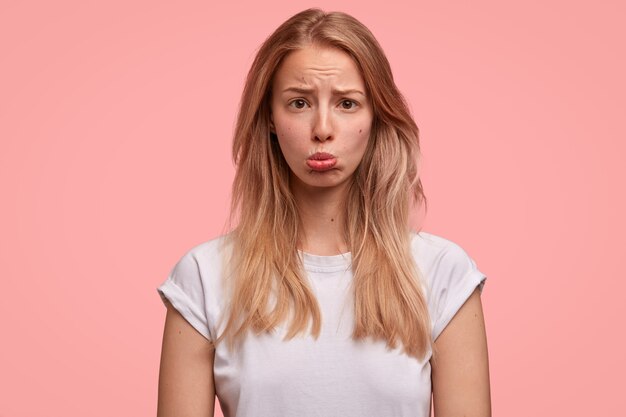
pixel 325 262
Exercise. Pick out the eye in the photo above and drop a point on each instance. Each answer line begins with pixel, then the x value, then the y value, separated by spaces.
pixel 348 104
pixel 298 103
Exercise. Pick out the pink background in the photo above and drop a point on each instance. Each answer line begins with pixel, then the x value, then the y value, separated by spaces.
pixel 115 128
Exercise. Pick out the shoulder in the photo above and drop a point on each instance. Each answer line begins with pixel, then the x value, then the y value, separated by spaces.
pixel 448 273
pixel 201 267
pixel 194 284
pixel 207 255
pixel 209 248
pixel 430 250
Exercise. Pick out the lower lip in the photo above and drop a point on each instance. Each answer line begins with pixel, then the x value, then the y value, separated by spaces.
pixel 321 165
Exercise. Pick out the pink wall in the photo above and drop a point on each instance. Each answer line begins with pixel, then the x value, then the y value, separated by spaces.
pixel 115 127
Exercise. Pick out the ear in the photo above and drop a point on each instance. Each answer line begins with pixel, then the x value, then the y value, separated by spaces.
pixel 272 127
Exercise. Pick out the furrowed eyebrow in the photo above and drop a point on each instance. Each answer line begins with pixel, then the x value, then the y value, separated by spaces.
pixel 298 90
pixel 349 91
pixel 336 92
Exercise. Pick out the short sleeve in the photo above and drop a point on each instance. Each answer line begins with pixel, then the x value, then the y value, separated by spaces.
pixel 185 290
pixel 455 279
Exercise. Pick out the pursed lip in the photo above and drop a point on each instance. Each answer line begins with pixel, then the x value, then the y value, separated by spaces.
pixel 321 161
pixel 320 156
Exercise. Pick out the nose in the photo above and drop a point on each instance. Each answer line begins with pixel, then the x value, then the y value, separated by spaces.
pixel 322 129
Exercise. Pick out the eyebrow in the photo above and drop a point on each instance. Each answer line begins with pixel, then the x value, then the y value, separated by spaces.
pixel 336 92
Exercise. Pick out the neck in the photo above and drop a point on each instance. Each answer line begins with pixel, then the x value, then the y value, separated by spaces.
pixel 321 212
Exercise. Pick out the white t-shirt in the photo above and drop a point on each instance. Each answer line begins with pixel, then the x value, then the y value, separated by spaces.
pixel 333 375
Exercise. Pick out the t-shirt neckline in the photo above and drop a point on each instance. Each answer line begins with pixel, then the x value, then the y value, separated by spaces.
pixel 315 263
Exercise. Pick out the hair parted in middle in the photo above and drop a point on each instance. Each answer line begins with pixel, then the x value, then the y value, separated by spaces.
pixel 389 303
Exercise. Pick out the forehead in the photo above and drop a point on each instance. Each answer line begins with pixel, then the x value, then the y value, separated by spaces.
pixel 314 64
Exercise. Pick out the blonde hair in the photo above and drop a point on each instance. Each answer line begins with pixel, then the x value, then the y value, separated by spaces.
pixel 389 304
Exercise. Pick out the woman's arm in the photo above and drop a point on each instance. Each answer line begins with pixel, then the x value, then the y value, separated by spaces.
pixel 186 387
pixel 460 369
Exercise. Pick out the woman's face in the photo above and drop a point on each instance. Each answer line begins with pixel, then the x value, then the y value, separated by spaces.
pixel 321 116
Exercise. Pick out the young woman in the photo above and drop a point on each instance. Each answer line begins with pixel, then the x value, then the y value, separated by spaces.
pixel 322 301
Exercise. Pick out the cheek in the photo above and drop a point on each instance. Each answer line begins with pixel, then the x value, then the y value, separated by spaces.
pixel 287 137
pixel 362 140
pixel 290 140
pixel 287 127
pixel 364 134
pixel 363 126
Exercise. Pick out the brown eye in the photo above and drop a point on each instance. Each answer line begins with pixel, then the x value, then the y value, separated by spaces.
pixel 348 104
pixel 298 104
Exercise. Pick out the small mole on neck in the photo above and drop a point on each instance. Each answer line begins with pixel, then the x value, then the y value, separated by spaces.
pixel 332 220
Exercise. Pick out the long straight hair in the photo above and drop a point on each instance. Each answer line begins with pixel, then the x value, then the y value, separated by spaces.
pixel 389 303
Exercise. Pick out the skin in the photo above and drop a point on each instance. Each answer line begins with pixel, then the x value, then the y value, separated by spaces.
pixel 186 386
pixel 305 123
pixel 460 373
pixel 319 104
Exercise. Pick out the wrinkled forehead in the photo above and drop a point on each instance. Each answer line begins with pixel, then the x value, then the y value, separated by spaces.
pixel 318 66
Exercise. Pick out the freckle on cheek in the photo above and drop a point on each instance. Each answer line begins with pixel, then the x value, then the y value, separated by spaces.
pixel 360 130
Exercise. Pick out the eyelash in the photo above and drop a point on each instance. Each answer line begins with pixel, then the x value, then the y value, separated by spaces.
pixel 354 103
pixel 295 101
pixel 350 101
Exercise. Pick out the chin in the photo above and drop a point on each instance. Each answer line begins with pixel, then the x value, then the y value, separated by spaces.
pixel 321 180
